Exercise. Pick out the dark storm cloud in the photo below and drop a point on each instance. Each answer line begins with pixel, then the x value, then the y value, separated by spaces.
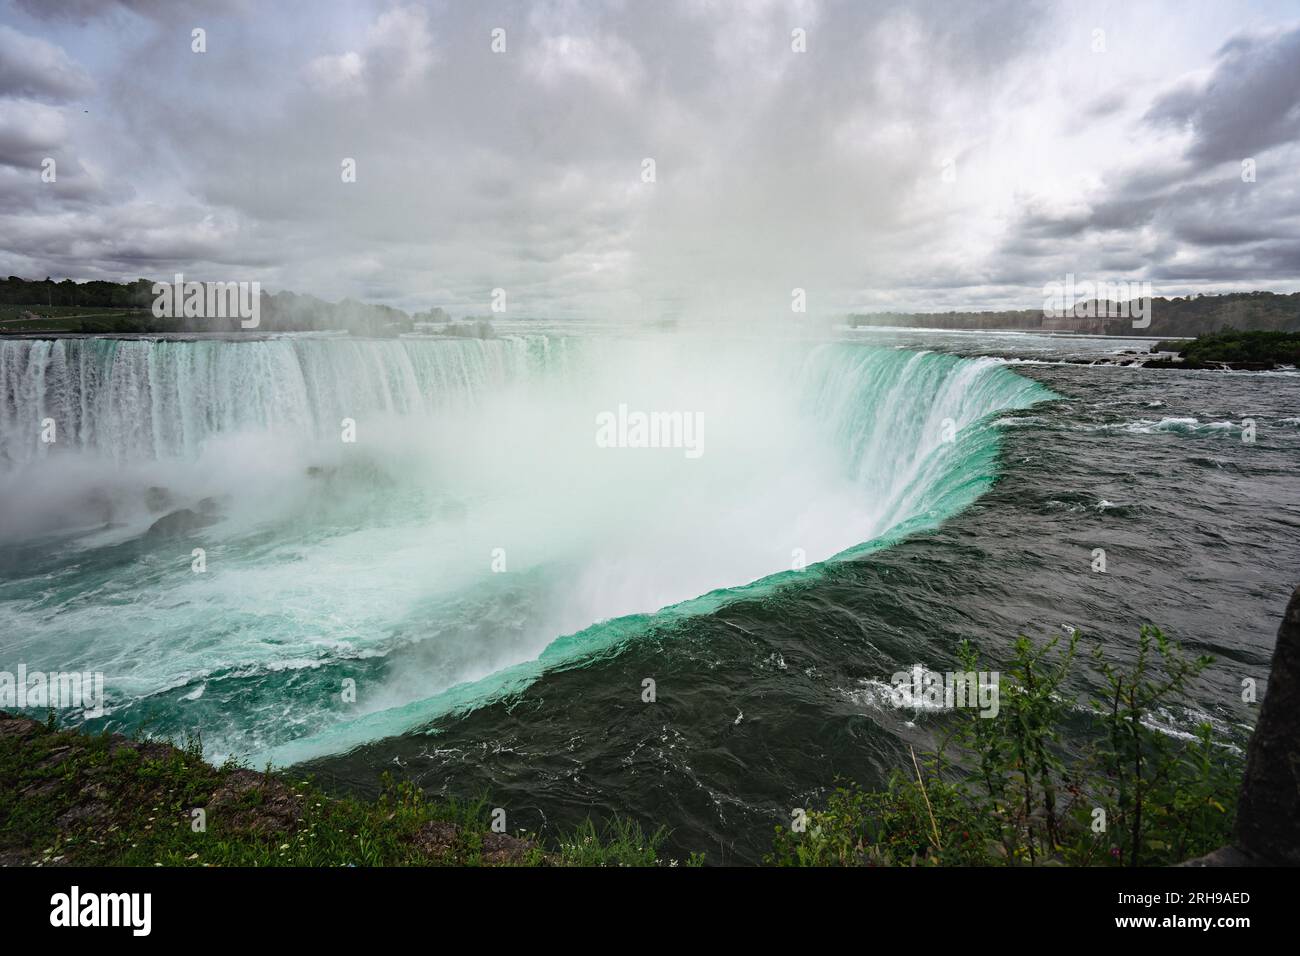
pixel 1250 102
pixel 1127 213
pixel 522 170
pixel 1204 218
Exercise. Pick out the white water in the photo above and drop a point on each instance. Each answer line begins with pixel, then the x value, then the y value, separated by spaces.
pixel 327 552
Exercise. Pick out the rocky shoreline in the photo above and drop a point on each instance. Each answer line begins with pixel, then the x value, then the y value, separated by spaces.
pixel 1171 360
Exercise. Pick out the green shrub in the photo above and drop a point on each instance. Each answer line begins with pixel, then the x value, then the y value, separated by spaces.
pixel 1002 790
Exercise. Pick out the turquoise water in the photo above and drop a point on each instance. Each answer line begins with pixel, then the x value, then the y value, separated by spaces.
pixel 472 538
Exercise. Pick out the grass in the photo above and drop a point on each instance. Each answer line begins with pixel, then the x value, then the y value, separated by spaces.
pixel 995 791
pixel 102 800
pixel 72 318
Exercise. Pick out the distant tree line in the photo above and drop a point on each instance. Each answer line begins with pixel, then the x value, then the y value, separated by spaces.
pixel 1232 345
pixel 1189 316
pixel 96 294
pixel 279 312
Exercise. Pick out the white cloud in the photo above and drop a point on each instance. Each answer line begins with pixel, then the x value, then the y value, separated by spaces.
pixel 338 74
pixel 30 66
pixel 605 61
pixel 398 50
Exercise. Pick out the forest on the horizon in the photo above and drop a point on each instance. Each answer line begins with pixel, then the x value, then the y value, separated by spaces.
pixel 1178 316
pixel 99 306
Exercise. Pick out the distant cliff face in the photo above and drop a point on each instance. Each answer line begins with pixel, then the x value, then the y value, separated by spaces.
pixel 1169 317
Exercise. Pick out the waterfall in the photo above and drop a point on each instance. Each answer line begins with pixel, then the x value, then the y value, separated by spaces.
pixel 134 399
pixel 474 534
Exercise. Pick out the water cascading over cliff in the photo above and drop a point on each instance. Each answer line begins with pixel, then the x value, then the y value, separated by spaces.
pixel 473 533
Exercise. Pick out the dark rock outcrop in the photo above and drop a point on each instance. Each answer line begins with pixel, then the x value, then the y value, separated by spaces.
pixel 1268 815
pixel 276 808
pixel 178 524
pixel 157 498
pixel 1267 832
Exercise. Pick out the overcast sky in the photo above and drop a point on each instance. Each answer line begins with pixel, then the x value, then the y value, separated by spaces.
pixel 917 156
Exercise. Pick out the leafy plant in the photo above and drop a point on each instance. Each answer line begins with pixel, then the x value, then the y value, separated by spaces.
pixel 1005 789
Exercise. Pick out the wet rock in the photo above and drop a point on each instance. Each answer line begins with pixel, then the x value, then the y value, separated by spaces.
pixel 1267 831
pixel 436 838
pixel 22 728
pixel 40 789
pixel 1268 813
pixel 100 505
pixel 95 813
pixel 56 757
pixel 157 498
pixel 153 749
pixel 178 524
pixel 14 857
pixel 501 849
pixel 275 809
pixel 1226 856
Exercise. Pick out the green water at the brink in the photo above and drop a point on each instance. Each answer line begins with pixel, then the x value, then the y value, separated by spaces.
pixel 376 564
